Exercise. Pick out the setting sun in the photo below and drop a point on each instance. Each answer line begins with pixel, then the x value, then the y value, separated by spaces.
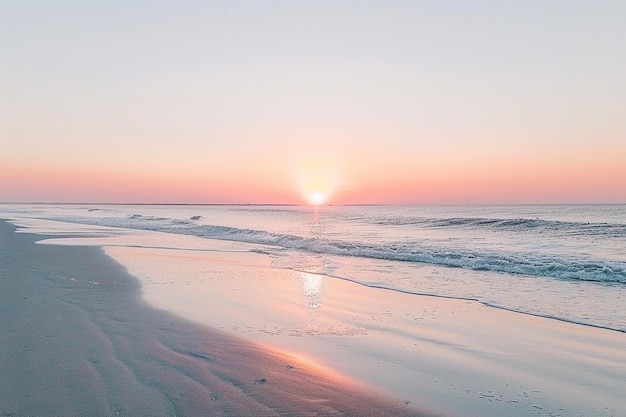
pixel 317 198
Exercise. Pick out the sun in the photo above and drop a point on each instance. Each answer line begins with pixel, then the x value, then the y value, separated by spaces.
pixel 317 197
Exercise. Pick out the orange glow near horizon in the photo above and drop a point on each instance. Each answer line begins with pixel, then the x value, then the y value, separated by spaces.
pixel 316 181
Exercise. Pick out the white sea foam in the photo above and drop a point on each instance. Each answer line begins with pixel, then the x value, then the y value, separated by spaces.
pixel 563 266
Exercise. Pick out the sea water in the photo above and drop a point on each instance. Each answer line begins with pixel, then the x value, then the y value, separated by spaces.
pixel 566 262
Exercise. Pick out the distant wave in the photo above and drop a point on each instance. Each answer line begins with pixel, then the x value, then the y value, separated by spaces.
pixel 510 225
pixel 533 264
pixel 149 218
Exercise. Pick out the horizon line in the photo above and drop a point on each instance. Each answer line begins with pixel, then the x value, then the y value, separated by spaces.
pixel 307 205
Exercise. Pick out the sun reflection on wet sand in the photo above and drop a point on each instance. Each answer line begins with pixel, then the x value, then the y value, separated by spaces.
pixel 312 288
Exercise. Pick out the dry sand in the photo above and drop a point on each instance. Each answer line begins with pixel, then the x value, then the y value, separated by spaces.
pixel 77 340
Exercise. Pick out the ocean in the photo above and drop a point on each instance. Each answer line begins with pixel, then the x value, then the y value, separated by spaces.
pixel 565 262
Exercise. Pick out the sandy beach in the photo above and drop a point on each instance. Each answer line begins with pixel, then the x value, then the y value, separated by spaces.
pixel 78 340
pixel 119 322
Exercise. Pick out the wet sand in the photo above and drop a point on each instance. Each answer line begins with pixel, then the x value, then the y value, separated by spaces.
pixel 458 356
pixel 77 339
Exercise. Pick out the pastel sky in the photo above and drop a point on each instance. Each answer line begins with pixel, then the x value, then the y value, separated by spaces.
pixel 264 101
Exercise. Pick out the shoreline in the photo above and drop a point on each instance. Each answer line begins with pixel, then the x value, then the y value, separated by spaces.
pixel 81 341
pixel 459 357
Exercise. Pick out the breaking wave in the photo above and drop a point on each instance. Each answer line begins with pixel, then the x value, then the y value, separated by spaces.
pixel 533 264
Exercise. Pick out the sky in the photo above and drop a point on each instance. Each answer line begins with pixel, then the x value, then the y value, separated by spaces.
pixel 392 102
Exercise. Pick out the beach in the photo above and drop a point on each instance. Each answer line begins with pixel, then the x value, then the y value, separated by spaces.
pixel 156 323
pixel 78 340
